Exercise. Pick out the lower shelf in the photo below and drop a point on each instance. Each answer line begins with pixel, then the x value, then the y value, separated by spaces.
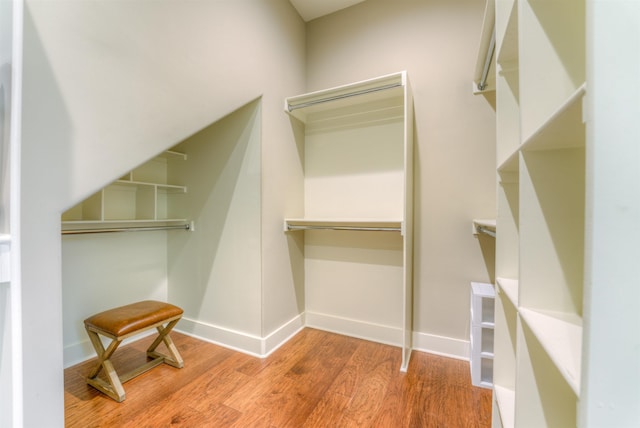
pixel 561 337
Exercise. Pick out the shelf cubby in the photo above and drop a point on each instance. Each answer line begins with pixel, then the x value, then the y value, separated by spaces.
pixel 504 372
pixel 552 193
pixel 88 210
pixel 551 56
pixel 508 224
pixel 560 335
pixel 142 195
pixel 506 31
pixel 543 397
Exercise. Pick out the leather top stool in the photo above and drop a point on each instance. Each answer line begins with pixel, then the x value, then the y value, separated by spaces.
pixel 120 323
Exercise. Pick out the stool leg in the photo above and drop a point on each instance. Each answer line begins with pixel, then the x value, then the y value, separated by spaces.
pixel 174 359
pixel 113 387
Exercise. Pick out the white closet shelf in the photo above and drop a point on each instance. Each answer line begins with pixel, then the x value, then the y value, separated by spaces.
pixel 562 129
pixel 311 106
pixel 486 226
pixel 510 288
pixel 389 225
pixel 5 239
pixel 560 335
pixel 506 399
pixel 168 154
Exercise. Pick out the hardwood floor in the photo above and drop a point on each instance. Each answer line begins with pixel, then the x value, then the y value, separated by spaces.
pixel 317 379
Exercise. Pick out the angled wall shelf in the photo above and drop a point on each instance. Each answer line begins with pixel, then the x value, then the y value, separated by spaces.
pixel 142 198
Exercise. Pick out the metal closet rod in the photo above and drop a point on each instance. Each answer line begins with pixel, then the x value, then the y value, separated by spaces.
pixel 487 62
pixel 486 231
pixel 125 229
pixel 356 228
pixel 339 97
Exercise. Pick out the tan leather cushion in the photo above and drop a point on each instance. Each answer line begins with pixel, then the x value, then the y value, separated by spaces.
pixel 133 317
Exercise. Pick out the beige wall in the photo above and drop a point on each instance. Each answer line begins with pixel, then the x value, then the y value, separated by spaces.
pixel 108 85
pixel 436 42
pixel 215 271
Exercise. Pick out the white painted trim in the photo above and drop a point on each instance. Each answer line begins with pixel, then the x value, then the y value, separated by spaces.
pixel 222 336
pixel 238 341
pixel 355 328
pixel 441 345
pixel 242 342
pixel 280 336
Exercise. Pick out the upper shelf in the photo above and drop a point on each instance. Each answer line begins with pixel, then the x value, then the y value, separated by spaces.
pixel 381 92
pixel 564 128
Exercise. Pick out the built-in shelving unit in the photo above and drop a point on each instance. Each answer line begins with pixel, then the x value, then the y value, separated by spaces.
pixel 358 189
pixel 143 197
pixel 482 334
pixel 540 83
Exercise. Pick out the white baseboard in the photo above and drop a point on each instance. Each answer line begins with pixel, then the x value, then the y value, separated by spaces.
pixel 441 345
pixel 282 335
pixel 354 328
pixel 239 341
pixel 262 347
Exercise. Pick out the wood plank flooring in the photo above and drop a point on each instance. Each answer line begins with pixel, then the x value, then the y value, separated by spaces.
pixel 317 379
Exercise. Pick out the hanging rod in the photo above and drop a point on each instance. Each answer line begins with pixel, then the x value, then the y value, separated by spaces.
pixel 482 84
pixel 486 231
pixel 126 229
pixel 339 97
pixel 355 228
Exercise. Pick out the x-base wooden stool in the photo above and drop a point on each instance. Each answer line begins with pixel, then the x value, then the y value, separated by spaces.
pixel 121 323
